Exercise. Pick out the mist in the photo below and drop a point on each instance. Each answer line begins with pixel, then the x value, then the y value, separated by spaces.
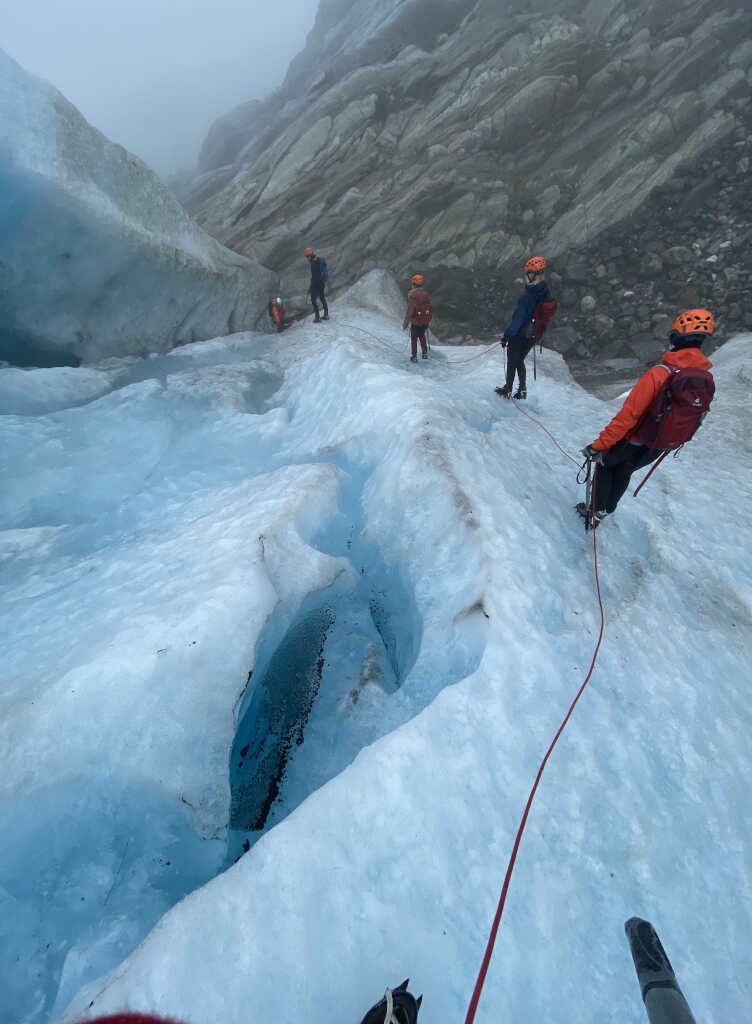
pixel 152 75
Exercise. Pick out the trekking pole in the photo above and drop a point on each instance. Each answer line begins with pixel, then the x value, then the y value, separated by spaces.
pixel 647 476
pixel 535 374
pixel 664 1001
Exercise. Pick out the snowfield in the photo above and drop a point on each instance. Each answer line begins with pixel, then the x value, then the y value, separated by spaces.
pixel 211 555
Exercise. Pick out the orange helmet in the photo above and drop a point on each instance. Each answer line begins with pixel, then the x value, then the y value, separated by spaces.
pixel 535 264
pixel 308 251
pixel 417 279
pixel 694 321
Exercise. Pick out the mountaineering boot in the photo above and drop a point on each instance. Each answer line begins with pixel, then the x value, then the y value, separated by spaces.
pixel 325 316
pixel 413 359
pixel 424 355
pixel 505 392
pixel 520 393
pixel 316 318
pixel 591 521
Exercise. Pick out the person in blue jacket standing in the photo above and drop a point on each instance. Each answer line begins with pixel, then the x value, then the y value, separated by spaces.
pixel 518 337
pixel 319 276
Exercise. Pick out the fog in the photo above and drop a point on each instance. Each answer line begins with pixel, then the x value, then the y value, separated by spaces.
pixel 153 74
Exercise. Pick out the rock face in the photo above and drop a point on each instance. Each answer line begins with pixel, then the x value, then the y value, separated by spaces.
pixel 98 258
pixel 457 137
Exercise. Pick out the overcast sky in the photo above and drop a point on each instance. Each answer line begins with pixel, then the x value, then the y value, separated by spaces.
pixel 153 74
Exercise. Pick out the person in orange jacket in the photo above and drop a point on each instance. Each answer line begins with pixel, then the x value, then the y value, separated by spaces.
pixel 616 451
pixel 276 310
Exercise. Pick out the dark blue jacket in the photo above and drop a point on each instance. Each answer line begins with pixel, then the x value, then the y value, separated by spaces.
pixel 522 321
pixel 319 272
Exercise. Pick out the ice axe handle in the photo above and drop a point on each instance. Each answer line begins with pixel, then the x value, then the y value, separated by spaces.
pixel 660 990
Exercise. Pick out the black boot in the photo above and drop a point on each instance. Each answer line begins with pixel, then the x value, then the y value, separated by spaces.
pixel 505 392
pixel 592 521
pixel 316 317
pixel 520 393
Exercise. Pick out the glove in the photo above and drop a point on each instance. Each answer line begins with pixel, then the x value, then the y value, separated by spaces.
pixel 594 454
pixel 503 342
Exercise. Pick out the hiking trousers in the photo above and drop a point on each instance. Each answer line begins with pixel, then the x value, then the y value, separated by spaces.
pixel 612 478
pixel 317 292
pixel 417 333
pixel 517 350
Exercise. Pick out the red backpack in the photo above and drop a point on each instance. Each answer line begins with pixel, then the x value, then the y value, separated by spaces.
pixel 678 409
pixel 422 308
pixel 541 315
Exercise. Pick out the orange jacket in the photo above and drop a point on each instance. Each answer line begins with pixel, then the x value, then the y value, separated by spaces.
pixel 624 424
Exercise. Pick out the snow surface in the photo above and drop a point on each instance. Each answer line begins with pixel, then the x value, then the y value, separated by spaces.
pixel 314 505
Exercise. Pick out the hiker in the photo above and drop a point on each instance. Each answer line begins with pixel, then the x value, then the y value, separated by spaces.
pixel 646 427
pixel 319 277
pixel 418 317
pixel 518 337
pixel 276 310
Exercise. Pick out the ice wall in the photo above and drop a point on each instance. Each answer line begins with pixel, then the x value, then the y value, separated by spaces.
pixel 98 257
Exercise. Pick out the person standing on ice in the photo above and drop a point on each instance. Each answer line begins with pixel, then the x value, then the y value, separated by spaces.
pixel 276 310
pixel 418 317
pixel 319 277
pixel 622 446
pixel 518 337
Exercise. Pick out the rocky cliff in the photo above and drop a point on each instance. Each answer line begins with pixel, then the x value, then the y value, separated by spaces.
pixel 98 257
pixel 458 136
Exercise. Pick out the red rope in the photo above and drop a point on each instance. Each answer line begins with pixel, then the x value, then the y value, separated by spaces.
pixel 470 1017
pixel 546 431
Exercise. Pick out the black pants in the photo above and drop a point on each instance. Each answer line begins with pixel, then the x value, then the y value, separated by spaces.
pixel 612 478
pixel 517 349
pixel 317 292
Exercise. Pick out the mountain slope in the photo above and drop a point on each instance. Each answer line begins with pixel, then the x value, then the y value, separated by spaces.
pixel 458 138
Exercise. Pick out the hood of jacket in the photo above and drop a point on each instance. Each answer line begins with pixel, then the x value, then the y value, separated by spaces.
pixel 687 357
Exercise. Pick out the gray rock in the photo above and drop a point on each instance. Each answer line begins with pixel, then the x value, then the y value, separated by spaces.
pixel 587 304
pixel 677 255
pixel 574 130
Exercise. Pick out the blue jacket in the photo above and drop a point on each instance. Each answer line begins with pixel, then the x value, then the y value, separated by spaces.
pixel 319 271
pixel 522 320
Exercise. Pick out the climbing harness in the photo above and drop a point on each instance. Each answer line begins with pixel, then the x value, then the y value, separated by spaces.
pixel 470 1017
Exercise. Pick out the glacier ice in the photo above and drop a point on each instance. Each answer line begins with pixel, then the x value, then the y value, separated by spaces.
pixel 99 258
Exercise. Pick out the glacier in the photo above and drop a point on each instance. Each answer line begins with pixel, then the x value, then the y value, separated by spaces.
pixel 99 258
pixel 307 537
